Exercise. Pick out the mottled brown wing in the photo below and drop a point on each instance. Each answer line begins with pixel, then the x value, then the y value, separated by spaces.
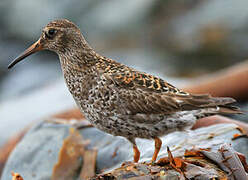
pixel 143 93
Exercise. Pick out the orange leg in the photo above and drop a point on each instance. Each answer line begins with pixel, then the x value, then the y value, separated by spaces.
pixel 136 155
pixel 158 144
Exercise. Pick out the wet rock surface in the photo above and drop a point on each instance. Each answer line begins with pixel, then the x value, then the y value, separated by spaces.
pixel 37 153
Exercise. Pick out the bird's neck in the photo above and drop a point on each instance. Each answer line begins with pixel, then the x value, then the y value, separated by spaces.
pixel 79 57
pixel 78 66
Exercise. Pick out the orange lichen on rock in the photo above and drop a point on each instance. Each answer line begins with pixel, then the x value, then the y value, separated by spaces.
pixel 115 152
pixel 241 130
pixel 16 176
pixel 196 153
pixel 6 149
pixel 89 164
pixel 70 114
pixel 242 158
pixel 236 136
pixel 69 156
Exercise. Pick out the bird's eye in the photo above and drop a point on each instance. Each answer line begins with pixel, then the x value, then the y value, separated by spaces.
pixel 50 33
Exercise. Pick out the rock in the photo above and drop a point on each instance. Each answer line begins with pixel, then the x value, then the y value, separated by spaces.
pixel 35 156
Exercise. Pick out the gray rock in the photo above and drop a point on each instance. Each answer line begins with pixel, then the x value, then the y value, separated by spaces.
pixel 40 145
pixel 36 154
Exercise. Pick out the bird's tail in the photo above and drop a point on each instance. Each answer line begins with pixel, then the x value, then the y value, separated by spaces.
pixel 210 111
pixel 216 105
pixel 225 107
pixel 213 105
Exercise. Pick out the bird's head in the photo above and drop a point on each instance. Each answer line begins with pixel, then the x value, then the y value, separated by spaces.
pixel 58 36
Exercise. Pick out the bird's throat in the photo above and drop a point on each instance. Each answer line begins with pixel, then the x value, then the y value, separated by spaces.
pixel 78 60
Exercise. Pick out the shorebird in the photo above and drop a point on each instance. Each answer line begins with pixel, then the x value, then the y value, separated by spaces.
pixel 118 99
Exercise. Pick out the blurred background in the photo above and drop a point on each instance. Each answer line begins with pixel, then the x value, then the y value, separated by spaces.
pixel 173 39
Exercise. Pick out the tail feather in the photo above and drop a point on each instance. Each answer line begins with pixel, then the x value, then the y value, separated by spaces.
pixel 223 100
pixel 208 105
pixel 210 111
pixel 209 101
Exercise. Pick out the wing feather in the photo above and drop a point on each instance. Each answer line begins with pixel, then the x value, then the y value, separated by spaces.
pixel 141 93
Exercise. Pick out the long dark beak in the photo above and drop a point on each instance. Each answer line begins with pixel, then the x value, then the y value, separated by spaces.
pixel 32 49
